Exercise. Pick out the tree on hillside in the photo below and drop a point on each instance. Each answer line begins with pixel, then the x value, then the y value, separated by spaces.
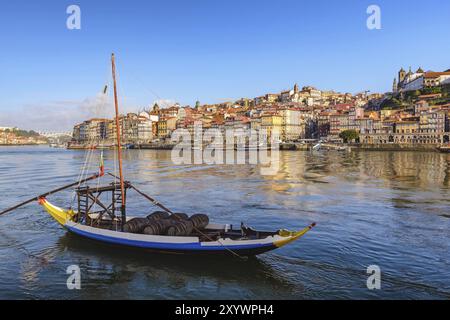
pixel 446 88
pixel 25 133
pixel 432 90
pixel 391 104
pixel 349 135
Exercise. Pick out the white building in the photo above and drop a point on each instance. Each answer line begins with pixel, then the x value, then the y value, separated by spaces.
pixel 148 116
pixel 415 84
pixel 418 80
pixel 144 130
pixel 292 125
pixel 433 79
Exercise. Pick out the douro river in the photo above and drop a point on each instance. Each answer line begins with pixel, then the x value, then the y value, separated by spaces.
pixel 388 209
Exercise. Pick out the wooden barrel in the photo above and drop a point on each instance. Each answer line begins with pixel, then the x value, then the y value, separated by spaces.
pixel 180 229
pixel 157 215
pixel 157 227
pixel 200 221
pixel 135 225
pixel 179 216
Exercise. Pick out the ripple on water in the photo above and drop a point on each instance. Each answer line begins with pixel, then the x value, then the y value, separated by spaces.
pixel 382 208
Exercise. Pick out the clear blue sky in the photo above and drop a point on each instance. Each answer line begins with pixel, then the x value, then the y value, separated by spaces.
pixel 210 50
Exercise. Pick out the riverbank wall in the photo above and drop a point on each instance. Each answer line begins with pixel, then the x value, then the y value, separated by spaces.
pixel 21 144
pixel 303 147
pixel 395 147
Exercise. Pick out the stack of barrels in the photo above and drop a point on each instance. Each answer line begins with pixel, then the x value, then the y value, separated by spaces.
pixel 163 223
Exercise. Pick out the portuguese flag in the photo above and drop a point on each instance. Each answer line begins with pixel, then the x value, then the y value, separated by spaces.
pixel 102 166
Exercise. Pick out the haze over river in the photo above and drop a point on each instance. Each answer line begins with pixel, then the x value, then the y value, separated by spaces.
pixel 390 209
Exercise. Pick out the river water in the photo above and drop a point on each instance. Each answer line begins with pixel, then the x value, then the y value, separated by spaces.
pixel 390 209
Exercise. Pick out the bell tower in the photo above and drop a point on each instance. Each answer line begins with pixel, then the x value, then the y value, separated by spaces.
pixel 401 75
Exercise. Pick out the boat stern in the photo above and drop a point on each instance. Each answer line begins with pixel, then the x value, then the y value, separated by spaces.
pixel 60 215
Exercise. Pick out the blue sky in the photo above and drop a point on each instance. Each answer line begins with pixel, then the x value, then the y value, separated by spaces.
pixel 205 50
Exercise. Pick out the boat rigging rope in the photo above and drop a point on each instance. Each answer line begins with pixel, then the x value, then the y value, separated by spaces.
pixel 137 80
pixel 82 174
pixel 99 110
pixel 98 180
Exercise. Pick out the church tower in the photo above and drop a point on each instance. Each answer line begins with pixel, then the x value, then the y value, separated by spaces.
pixel 401 75
pixel 296 88
pixel 394 85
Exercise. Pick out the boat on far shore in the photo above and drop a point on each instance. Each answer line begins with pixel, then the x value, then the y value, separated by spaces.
pixel 74 146
pixel 444 148
pixel 57 145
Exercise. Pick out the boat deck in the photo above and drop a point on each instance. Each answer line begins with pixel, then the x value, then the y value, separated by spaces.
pixel 211 233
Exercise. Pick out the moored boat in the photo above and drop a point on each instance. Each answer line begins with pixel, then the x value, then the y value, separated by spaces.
pixel 444 149
pixel 214 238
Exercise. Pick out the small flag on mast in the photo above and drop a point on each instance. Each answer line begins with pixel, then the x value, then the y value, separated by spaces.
pixel 102 166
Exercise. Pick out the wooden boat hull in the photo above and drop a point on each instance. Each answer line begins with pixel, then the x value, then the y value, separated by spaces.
pixel 170 244
pixel 194 248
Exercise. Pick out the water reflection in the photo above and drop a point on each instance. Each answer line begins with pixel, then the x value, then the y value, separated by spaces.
pixel 111 265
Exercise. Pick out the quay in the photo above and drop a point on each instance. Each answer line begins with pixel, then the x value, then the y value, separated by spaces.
pixel 294 146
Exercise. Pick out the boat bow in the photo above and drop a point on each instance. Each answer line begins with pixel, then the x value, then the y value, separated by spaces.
pixel 289 236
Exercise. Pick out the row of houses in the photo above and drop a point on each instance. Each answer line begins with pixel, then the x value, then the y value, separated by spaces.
pixel 422 123
pixel 290 122
pixel 311 96
pixel 15 136
pixel 134 128
pixel 425 124
pixel 291 111
pixel 306 113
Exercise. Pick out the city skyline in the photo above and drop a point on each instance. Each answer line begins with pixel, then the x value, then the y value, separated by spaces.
pixel 183 52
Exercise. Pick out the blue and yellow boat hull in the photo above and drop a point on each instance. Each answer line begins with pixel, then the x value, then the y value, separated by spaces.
pixel 171 244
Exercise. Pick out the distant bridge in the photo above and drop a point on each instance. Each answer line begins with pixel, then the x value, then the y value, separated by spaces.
pixel 53 134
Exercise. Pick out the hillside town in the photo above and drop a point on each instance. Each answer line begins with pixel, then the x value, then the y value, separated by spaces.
pixel 16 136
pixel 416 112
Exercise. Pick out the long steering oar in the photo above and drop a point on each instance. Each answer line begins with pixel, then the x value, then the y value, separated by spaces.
pixel 50 192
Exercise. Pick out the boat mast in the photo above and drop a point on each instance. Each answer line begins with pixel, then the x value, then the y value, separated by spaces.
pixel 119 146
